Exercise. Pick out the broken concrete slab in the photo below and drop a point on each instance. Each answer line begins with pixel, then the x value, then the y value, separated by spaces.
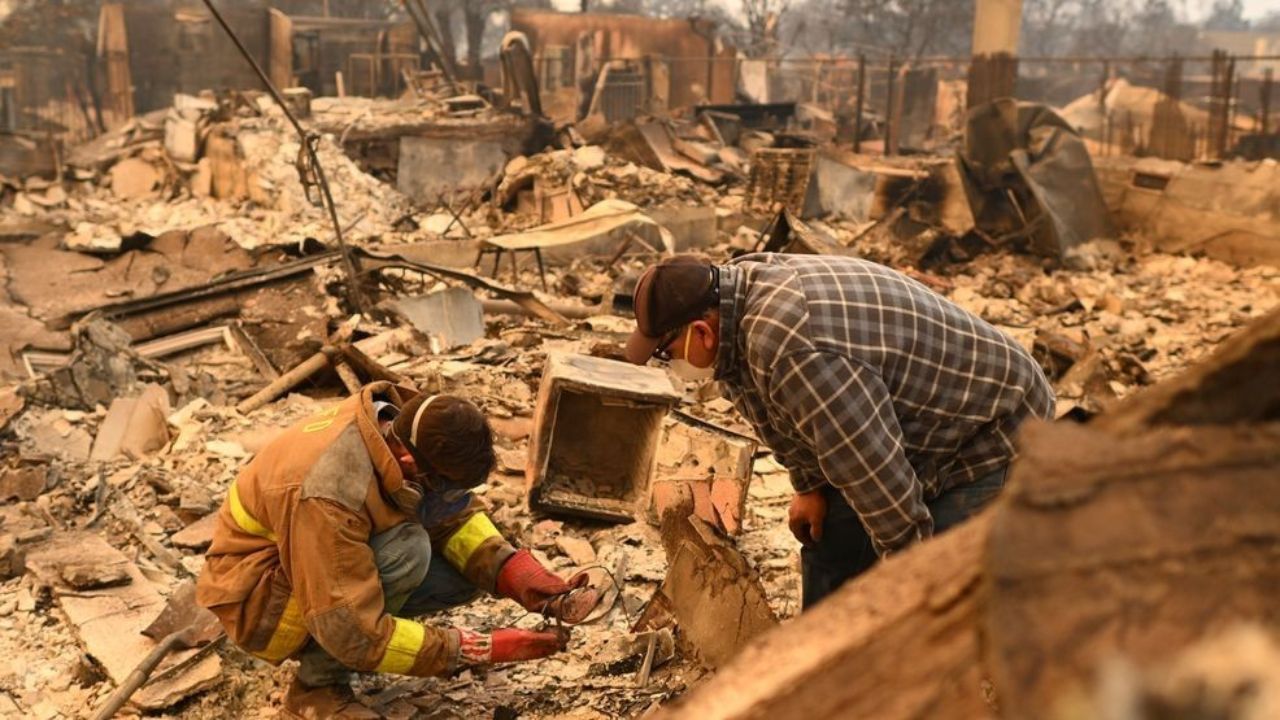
pixel 196 536
pixel 109 621
pixel 692 228
pixel 1225 211
pixel 134 427
pixel 839 190
pixel 706 464
pixel 91 575
pixel 23 483
pixel 430 168
pixel 450 318
pixel 604 471
pixel 579 551
pixel 134 178
pixel 50 433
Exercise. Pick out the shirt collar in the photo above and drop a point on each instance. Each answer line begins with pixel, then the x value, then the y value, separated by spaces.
pixel 731 287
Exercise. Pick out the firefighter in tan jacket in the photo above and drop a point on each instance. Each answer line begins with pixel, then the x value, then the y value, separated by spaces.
pixel 358 519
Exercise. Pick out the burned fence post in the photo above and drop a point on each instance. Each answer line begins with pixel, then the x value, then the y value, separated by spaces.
pixel 889 138
pixel 857 112
pixel 1264 101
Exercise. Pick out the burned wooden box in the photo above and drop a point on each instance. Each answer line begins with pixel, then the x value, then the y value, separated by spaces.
pixel 595 439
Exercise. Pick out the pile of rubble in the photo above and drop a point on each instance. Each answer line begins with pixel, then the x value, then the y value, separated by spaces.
pixel 217 325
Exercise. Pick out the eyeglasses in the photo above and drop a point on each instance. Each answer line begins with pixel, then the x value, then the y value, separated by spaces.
pixel 663 351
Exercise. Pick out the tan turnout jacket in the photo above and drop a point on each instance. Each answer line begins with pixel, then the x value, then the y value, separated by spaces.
pixel 290 557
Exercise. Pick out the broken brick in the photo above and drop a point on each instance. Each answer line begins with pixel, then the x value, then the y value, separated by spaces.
pixel 12 558
pixel 24 483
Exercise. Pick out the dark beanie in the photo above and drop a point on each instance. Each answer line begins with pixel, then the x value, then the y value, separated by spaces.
pixel 451 439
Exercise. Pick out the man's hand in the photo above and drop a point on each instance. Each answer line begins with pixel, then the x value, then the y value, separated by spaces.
pixel 509 645
pixel 807 513
pixel 524 580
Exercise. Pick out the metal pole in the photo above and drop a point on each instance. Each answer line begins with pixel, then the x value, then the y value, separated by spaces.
pixel 309 141
pixel 421 17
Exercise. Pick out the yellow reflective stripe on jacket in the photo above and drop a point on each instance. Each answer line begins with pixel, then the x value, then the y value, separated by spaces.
pixel 403 649
pixel 242 517
pixel 463 543
pixel 289 634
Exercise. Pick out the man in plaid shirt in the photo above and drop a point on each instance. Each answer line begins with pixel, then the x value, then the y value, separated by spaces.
pixel 893 409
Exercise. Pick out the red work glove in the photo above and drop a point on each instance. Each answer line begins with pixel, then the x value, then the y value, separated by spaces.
pixel 808 511
pixel 509 645
pixel 537 589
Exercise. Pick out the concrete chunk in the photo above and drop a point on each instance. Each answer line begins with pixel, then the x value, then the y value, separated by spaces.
pixel 24 483
pixel 134 427
pixel 708 583
pixel 196 536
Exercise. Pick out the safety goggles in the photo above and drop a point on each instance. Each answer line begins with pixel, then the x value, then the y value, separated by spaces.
pixel 663 351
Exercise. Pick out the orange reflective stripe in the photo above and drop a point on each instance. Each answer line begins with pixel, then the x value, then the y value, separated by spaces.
pixel 290 634
pixel 402 650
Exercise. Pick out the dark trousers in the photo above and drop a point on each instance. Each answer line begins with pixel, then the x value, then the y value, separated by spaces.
pixel 414 582
pixel 845 550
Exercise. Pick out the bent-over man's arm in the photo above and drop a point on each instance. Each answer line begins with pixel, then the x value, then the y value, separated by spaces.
pixel 845 413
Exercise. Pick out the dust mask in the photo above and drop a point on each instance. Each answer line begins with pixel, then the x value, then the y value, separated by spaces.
pixel 686 370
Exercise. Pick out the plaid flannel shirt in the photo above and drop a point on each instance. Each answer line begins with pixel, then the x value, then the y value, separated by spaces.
pixel 858 376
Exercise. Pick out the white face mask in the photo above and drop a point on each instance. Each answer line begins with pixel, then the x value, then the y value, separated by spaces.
pixel 689 372
pixel 686 370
